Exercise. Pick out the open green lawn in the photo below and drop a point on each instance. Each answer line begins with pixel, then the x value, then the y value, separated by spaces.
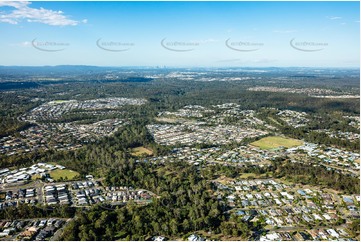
pixel 139 151
pixel 65 174
pixel 248 175
pixel 273 142
pixel 35 177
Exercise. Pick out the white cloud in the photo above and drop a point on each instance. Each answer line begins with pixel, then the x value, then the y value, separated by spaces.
pixel 22 44
pixel 6 20
pixel 15 4
pixel 333 17
pixel 23 12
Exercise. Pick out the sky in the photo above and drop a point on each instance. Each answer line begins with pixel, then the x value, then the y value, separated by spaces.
pixel 180 34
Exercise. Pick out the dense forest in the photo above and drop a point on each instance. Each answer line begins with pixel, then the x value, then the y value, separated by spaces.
pixel 317 175
pixel 28 211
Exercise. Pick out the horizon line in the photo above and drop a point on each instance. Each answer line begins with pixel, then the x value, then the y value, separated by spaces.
pixel 169 67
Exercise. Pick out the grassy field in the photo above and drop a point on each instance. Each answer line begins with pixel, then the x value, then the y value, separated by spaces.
pixel 35 177
pixel 273 142
pixel 248 175
pixel 224 180
pixel 65 174
pixel 2 196
pixel 141 151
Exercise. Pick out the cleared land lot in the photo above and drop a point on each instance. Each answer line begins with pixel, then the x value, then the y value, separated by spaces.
pixel 273 142
pixel 140 151
pixel 173 120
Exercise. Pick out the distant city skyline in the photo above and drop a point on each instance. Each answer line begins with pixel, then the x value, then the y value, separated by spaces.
pixel 180 34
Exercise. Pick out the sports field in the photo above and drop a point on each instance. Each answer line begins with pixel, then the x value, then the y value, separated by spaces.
pixel 273 142
pixel 65 174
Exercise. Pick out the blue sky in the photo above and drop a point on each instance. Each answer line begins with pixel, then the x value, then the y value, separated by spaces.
pixel 211 34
